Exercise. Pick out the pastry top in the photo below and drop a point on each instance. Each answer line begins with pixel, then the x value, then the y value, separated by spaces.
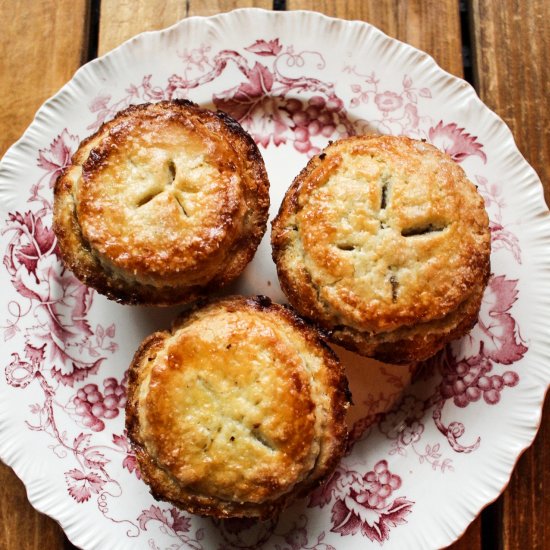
pixel 381 232
pixel 237 408
pixel 163 195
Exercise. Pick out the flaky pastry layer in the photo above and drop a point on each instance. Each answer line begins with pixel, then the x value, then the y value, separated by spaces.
pixel 237 411
pixel 385 243
pixel 161 202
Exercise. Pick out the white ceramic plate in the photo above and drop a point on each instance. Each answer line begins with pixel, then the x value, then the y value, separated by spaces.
pixel 417 474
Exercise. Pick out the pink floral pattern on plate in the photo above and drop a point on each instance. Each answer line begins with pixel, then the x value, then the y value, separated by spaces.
pixel 363 503
pixel 265 102
pixel 284 98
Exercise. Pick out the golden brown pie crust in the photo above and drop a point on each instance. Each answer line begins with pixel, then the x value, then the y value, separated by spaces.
pixel 384 243
pixel 238 410
pixel 161 203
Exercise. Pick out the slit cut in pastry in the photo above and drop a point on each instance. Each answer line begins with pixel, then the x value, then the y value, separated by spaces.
pixel 237 411
pixel 384 243
pixel 162 203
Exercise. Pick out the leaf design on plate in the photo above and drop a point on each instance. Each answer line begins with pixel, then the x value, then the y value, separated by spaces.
pixel 265 48
pixel 81 485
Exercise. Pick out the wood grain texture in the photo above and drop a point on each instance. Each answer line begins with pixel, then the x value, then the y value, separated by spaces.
pixel 525 505
pixel 123 19
pixel 511 45
pixel 21 526
pixel 212 7
pixel 471 538
pixel 512 71
pixel 431 25
pixel 42 45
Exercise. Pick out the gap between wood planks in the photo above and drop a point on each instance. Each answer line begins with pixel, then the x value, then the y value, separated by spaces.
pixel 94 15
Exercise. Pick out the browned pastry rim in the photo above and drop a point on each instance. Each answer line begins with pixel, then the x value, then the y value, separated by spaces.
pixel 260 398
pixel 384 243
pixel 161 204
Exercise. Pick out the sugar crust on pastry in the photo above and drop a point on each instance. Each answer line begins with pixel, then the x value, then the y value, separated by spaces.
pixel 238 410
pixel 160 202
pixel 385 243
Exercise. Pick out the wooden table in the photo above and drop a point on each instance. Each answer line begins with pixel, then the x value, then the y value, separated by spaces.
pixel 501 46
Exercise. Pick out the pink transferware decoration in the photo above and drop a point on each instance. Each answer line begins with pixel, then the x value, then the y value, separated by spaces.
pixel 294 81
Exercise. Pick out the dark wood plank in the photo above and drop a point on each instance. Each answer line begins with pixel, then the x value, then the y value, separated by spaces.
pixel 511 73
pixel 42 45
pixel 525 504
pixel 471 538
pixel 21 526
